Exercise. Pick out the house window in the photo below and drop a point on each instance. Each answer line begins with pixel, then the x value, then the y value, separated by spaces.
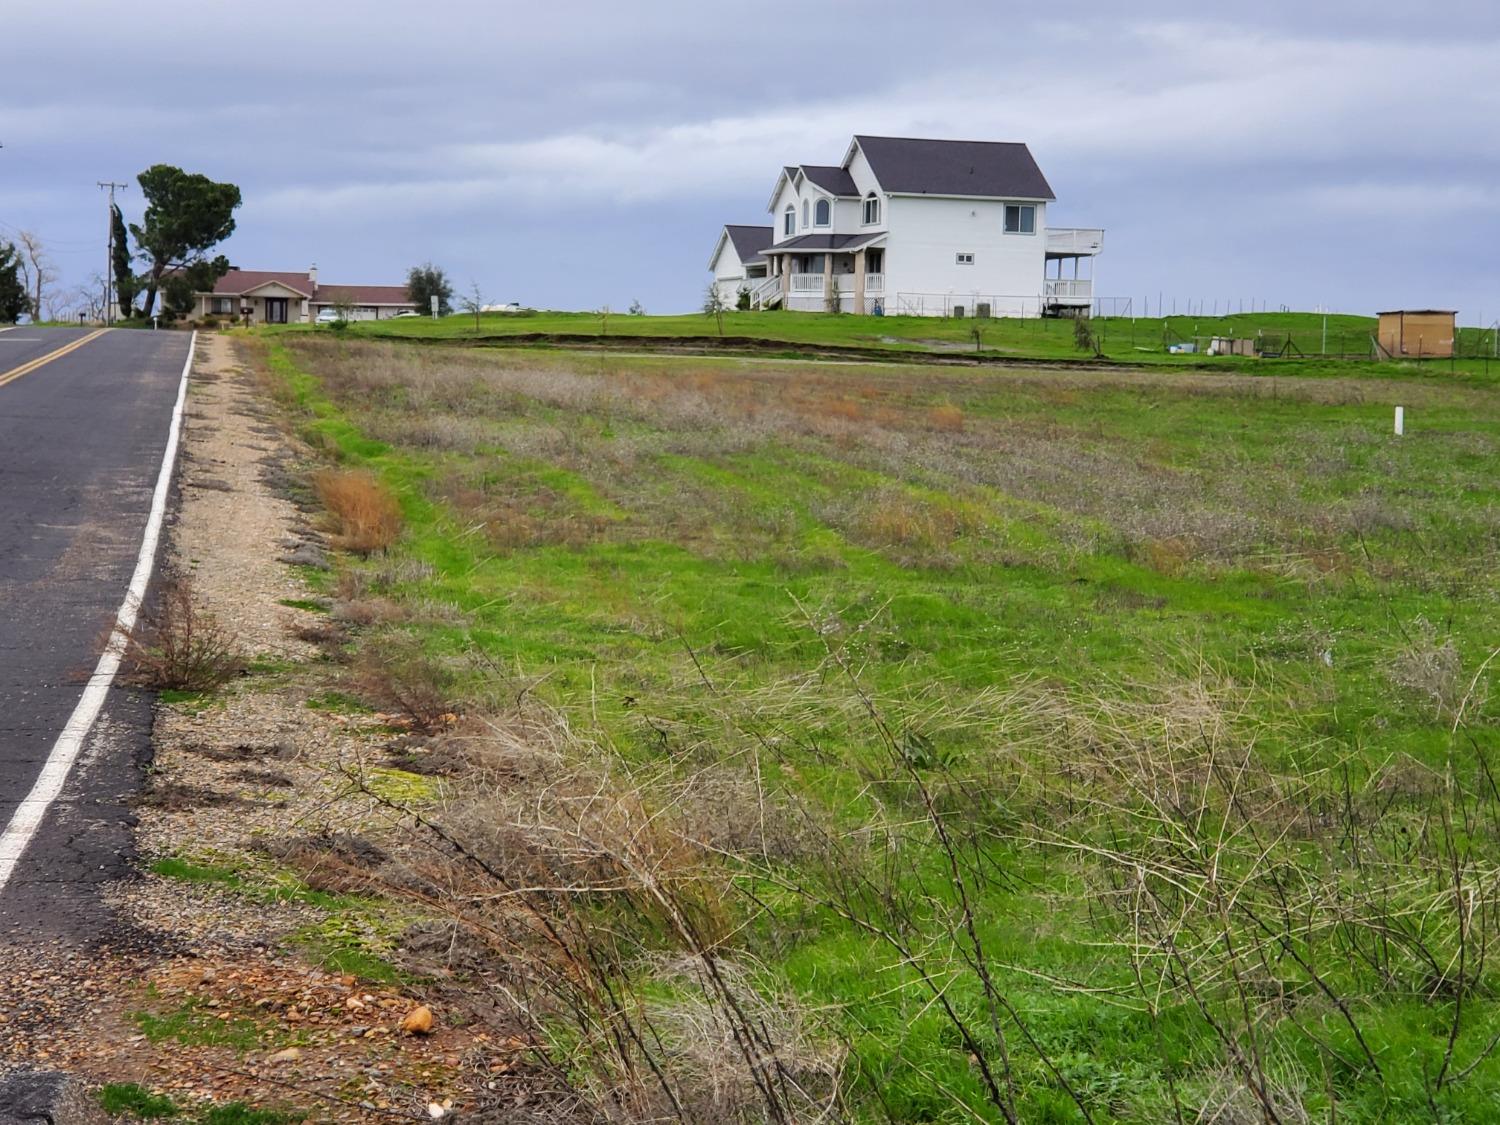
pixel 1020 218
pixel 872 209
pixel 964 259
pixel 804 213
pixel 789 223
pixel 223 306
pixel 821 213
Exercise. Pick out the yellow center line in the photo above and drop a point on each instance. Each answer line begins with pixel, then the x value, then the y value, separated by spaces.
pixel 27 368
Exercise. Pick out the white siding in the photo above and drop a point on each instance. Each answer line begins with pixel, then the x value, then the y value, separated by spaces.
pixel 788 194
pixel 729 272
pixel 926 235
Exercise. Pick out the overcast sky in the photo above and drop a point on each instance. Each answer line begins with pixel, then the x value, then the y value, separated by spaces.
pixel 576 153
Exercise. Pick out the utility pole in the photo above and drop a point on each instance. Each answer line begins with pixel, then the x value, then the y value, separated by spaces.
pixel 109 265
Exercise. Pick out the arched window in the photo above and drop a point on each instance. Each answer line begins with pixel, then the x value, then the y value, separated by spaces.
pixel 804 213
pixel 820 213
pixel 789 222
pixel 872 209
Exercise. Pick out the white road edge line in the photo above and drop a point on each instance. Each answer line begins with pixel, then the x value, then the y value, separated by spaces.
pixel 32 811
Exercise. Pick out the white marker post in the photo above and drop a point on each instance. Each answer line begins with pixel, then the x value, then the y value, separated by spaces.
pixel 1400 420
pixel 434 307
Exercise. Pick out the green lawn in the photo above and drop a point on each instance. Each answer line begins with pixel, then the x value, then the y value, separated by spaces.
pixel 1124 339
pixel 1072 743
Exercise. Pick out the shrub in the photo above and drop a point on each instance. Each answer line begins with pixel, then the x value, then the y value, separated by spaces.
pixel 394 674
pixel 181 647
pixel 365 513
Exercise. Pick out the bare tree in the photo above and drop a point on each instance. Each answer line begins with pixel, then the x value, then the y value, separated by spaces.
pixel 473 302
pixel 714 305
pixel 37 271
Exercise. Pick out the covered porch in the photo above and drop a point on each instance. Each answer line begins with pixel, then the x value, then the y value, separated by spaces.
pixel 824 273
pixel 1068 281
pixel 272 303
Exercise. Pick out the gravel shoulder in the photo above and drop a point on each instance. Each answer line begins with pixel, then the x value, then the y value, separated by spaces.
pixel 238 983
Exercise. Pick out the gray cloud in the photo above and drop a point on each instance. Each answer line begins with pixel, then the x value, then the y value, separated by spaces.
pixel 585 153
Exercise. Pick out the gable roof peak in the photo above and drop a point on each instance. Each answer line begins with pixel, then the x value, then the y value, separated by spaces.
pixel 933 166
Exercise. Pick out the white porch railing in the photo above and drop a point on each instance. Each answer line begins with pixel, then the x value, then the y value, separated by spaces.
pixel 1081 288
pixel 763 291
pixel 807 283
pixel 874 283
pixel 1074 240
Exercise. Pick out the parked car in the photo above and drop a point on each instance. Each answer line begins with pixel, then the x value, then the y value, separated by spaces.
pixel 405 313
pixel 328 316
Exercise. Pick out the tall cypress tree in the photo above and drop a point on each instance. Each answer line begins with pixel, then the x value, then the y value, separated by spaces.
pixel 125 283
pixel 13 297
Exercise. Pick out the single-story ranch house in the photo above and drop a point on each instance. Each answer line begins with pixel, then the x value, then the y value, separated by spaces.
pixel 906 225
pixel 294 297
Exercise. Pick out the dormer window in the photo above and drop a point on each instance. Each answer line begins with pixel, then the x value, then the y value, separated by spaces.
pixel 872 209
pixel 789 222
pixel 805 223
pixel 821 213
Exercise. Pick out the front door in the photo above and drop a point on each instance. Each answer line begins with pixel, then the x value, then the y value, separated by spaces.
pixel 276 310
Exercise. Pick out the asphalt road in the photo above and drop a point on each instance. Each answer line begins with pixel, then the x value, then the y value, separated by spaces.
pixel 81 444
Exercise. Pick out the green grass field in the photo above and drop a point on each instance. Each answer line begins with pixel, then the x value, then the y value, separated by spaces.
pixel 1062 745
pixel 1132 340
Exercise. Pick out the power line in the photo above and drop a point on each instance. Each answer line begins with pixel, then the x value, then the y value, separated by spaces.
pixel 109 265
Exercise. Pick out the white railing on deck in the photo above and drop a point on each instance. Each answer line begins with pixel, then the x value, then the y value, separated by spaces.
pixel 807 283
pixel 1074 240
pixel 874 283
pixel 1081 288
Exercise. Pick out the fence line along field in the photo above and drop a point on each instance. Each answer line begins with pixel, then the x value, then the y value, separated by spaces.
pixel 1311 343
pixel 904 744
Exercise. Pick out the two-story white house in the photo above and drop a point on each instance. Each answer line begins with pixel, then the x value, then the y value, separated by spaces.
pixel 910 226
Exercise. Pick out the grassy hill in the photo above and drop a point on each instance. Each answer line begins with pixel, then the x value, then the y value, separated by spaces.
pixel 1313 343
pixel 1042 745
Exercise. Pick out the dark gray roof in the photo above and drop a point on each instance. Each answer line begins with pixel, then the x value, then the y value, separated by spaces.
pixel 824 242
pixel 907 165
pixel 750 241
pixel 831 177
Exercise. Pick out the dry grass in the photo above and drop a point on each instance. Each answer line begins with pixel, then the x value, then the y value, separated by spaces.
pixel 650 1015
pixel 947 418
pixel 366 517
pixel 1430 670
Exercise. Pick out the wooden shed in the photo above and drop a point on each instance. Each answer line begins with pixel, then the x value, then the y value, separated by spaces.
pixel 1418 332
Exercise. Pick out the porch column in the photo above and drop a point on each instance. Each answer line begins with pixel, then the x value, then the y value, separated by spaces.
pixel 827 279
pixel 783 264
pixel 859 281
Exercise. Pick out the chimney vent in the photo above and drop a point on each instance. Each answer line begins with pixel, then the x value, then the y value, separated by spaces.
pixel 312 275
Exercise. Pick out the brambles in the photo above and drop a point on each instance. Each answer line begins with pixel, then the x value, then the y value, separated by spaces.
pixel 365 514
pixel 182 647
pixel 393 673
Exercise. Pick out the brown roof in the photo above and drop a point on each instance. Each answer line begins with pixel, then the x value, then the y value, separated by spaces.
pixel 237 282
pixel 362 295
